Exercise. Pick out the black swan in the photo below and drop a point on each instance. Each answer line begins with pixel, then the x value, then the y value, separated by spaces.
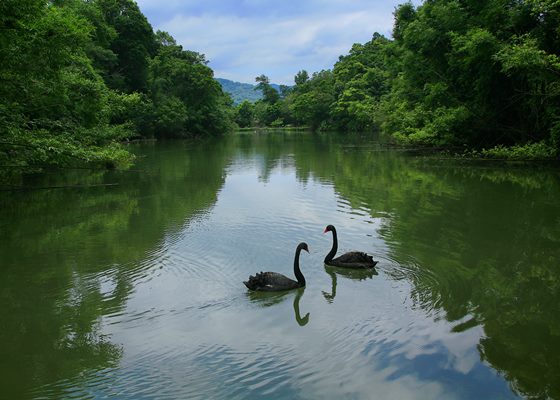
pixel 274 282
pixel 353 259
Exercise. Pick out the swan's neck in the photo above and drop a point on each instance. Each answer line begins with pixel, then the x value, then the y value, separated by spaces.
pixel 331 254
pixel 297 272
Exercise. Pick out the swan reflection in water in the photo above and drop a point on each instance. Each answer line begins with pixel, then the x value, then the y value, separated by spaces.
pixel 267 299
pixel 355 274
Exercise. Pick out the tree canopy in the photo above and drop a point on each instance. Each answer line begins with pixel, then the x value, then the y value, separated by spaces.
pixel 77 77
pixel 455 73
pixel 80 76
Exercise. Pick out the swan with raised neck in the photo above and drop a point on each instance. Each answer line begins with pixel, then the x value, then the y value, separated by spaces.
pixel 353 259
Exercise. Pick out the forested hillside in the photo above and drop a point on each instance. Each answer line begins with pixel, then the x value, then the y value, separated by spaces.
pixel 78 77
pixel 478 75
pixel 240 92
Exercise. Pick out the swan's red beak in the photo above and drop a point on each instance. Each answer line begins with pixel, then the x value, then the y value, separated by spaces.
pixel 326 230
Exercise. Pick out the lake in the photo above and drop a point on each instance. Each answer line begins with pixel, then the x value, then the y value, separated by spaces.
pixel 135 290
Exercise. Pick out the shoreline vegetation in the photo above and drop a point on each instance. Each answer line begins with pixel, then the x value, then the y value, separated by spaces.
pixel 274 129
pixel 79 78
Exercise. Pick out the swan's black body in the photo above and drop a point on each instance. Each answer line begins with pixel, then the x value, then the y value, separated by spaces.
pixel 275 282
pixel 353 259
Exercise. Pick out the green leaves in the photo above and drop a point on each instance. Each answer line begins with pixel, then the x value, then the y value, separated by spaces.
pixel 311 101
pixel 133 45
pixel 244 114
pixel 524 55
pixel 186 99
pixel 530 151
pixel 478 74
pixel 270 95
pixel 54 103
pixel 74 83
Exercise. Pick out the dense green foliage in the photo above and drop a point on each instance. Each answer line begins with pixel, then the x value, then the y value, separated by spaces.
pixel 268 110
pixel 186 98
pixel 244 114
pixel 481 74
pixel 456 73
pixel 77 77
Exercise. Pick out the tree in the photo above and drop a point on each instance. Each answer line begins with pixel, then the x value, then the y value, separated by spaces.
pixel 301 77
pixel 270 95
pixel 476 74
pixel 244 114
pixel 312 101
pixel 284 91
pixel 265 113
pixel 133 45
pixel 187 99
pixel 74 83
pixel 361 79
pixel 54 106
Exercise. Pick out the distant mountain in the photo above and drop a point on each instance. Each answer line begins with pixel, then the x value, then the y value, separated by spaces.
pixel 242 91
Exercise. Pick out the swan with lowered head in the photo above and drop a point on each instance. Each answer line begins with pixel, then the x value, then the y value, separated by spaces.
pixel 275 282
pixel 353 259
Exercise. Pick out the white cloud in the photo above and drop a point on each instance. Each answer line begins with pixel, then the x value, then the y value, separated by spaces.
pixel 247 38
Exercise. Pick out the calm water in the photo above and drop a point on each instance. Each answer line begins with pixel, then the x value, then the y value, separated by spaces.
pixel 135 290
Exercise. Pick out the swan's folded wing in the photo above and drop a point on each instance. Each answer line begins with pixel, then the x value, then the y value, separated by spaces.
pixel 270 280
pixel 276 279
pixel 355 257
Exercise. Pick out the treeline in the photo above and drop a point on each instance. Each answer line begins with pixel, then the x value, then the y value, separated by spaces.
pixel 79 76
pixel 480 75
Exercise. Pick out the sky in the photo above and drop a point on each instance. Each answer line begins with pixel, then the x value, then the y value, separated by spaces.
pixel 243 39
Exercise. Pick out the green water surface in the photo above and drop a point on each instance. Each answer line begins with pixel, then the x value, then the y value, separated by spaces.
pixel 135 290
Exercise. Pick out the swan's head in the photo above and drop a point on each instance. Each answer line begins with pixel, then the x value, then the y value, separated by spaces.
pixel 303 246
pixel 329 228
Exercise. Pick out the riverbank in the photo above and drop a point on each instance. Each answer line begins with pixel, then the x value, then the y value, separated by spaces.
pixel 274 129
